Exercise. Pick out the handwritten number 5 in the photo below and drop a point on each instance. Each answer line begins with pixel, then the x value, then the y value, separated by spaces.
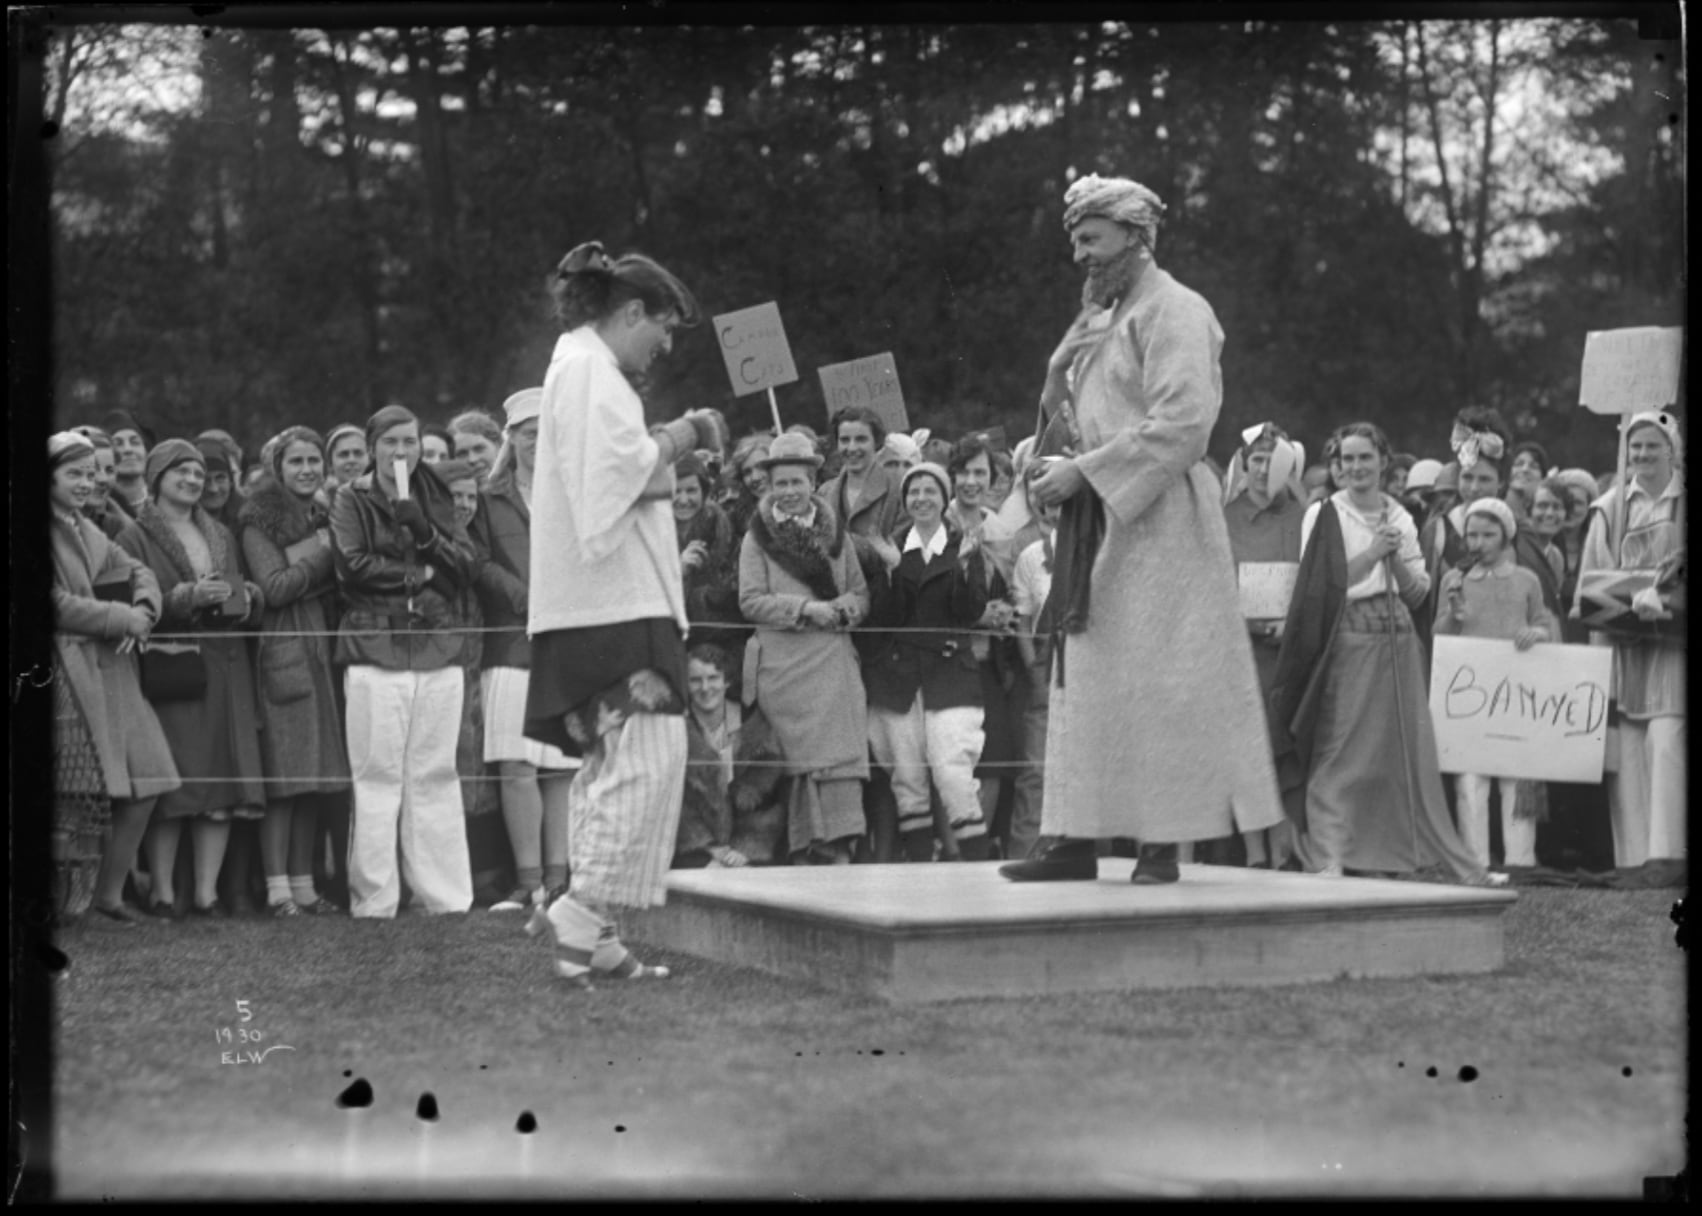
pixel 242 1008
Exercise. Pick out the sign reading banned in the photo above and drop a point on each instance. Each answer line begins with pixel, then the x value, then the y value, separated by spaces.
pixel 872 382
pixel 1502 712
pixel 753 345
pixel 1629 370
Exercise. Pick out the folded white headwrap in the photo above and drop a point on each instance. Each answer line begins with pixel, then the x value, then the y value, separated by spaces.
pixel 1116 198
pixel 1469 445
pixel 1288 462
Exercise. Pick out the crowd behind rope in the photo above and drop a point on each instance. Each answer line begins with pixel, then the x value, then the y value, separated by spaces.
pixel 325 678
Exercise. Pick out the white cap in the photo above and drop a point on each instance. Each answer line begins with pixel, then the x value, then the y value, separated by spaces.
pixel 1422 475
pixel 527 403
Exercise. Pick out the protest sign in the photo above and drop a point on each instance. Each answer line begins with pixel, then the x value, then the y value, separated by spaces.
pixel 1266 588
pixel 753 345
pixel 871 382
pixel 1627 370
pixel 1502 712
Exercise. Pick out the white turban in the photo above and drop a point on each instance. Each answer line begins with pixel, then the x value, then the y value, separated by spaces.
pixel 1115 198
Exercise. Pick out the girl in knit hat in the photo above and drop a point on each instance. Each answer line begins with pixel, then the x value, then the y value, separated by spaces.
pixel 1494 597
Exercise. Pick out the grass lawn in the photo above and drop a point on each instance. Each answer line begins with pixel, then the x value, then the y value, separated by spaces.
pixel 723 1081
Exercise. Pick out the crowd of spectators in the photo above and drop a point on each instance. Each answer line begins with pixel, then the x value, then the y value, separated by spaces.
pixel 317 659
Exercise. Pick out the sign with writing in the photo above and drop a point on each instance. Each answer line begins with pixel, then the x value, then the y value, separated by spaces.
pixel 753 344
pixel 1627 370
pixel 1266 588
pixel 1502 712
pixel 872 382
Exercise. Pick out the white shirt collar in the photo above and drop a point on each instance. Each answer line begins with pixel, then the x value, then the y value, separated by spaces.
pixel 807 518
pixel 931 548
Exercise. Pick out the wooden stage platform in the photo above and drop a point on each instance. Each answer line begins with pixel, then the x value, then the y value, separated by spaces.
pixel 938 932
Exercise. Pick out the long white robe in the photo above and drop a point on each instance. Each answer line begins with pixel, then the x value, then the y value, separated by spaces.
pixel 1158 731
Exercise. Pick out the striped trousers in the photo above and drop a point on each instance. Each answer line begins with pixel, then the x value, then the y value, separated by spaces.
pixel 623 813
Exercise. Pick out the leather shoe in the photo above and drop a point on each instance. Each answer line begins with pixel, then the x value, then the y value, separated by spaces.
pixel 164 910
pixel 1062 861
pixel 1156 864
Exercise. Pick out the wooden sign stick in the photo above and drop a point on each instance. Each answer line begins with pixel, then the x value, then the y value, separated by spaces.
pixel 774 406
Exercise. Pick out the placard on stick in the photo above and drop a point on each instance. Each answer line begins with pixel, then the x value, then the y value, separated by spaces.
pixel 1502 712
pixel 1628 370
pixel 871 381
pixel 753 345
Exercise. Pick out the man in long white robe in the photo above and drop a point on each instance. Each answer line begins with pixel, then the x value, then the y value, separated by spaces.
pixel 1157 731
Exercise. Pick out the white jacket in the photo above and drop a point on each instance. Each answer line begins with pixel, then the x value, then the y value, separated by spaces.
pixel 600 554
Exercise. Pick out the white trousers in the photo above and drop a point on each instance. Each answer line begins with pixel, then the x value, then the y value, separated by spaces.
pixel 1518 836
pixel 402 729
pixel 623 812
pixel 944 742
pixel 1647 803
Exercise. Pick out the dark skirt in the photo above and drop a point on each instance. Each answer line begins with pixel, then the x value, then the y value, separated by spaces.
pixel 571 667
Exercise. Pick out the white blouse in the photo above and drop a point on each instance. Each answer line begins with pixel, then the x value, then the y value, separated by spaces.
pixel 1360 530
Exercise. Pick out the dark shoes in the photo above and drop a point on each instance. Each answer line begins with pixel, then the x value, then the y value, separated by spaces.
pixel 1156 864
pixel 213 911
pixel 164 910
pixel 1062 860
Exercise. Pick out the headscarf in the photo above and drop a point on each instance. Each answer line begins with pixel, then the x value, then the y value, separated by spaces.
pixel 1666 424
pixel 519 407
pixel 272 455
pixel 1115 198
pixel 164 457
pixel 1288 464
pixel 67 446
pixel 900 444
pixel 1469 445
pixel 1499 511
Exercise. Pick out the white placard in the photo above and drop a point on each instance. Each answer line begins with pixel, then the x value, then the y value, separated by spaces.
pixel 1627 370
pixel 1266 588
pixel 1502 712
pixel 753 345
pixel 872 382
pixel 401 467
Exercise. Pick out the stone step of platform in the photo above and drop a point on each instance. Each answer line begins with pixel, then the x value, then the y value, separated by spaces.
pixel 944 931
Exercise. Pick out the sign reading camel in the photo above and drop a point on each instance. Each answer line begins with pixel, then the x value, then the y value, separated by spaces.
pixel 753 344
pixel 1501 712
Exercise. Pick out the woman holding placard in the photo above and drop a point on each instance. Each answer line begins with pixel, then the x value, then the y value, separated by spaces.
pixel 1348 697
pixel 1263 504
pixel 201 685
pixel 1639 528
pixel 286 537
pixel 402 561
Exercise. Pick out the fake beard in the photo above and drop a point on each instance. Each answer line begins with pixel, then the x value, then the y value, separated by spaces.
pixel 1109 281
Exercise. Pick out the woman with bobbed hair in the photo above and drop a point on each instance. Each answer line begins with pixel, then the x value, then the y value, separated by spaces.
pixel 477 439
pixel 606 611
pixel 403 561
pixel 286 538
pixel 1348 694
pixel 749 480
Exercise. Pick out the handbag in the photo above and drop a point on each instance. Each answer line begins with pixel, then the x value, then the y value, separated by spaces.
pixel 173 671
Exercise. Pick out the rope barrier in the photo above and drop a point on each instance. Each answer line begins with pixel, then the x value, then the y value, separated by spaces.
pixel 960 631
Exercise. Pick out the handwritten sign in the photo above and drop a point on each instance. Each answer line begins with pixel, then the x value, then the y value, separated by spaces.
pixel 753 345
pixel 1501 712
pixel 872 382
pixel 1627 370
pixel 1266 588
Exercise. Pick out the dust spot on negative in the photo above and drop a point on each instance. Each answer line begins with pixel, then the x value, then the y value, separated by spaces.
pixel 526 1124
pixel 620 1127
pixel 1626 1071
pixel 1430 1072
pixel 426 1108
pixel 356 1097
pixel 52 958
pixel 1468 1073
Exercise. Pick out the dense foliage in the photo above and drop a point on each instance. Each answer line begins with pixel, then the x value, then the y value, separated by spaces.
pixel 257 226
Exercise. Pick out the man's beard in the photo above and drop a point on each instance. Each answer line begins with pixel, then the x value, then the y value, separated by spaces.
pixel 1108 281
